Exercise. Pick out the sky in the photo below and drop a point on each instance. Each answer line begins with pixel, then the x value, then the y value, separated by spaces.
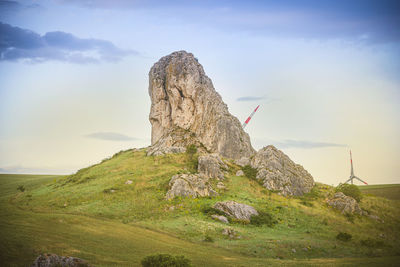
pixel 74 78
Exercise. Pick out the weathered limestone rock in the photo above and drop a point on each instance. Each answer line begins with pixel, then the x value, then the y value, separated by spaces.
pixel 232 234
pixel 239 173
pixel 220 218
pixel 221 185
pixel 243 161
pixel 236 210
pixel 210 166
pixel 346 204
pixel 277 172
pixel 53 260
pixel 158 151
pixel 186 109
pixel 189 185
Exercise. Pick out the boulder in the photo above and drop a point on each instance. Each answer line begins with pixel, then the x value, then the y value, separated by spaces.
pixel 53 260
pixel 220 218
pixel 346 204
pixel 239 173
pixel 232 234
pixel 277 172
pixel 243 161
pixel 186 109
pixel 236 210
pixel 221 185
pixel 189 185
pixel 210 166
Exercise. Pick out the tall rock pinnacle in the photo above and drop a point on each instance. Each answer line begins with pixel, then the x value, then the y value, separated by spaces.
pixel 186 109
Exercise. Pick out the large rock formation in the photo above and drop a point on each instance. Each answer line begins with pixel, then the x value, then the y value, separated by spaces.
pixel 186 109
pixel 277 172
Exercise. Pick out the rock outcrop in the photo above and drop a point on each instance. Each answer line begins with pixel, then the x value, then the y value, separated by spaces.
pixel 189 185
pixel 220 218
pixel 211 166
pixel 186 109
pixel 277 172
pixel 236 210
pixel 53 260
pixel 345 204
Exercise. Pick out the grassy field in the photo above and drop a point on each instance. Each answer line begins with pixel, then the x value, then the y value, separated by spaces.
pixel 96 216
pixel 390 191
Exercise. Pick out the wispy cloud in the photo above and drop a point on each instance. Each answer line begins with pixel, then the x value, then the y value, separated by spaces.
pixel 110 136
pixel 22 44
pixel 305 144
pixel 250 98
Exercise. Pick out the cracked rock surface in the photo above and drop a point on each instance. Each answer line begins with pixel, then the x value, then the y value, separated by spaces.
pixel 184 102
pixel 278 172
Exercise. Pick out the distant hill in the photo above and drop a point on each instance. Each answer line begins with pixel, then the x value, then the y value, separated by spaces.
pixel 390 191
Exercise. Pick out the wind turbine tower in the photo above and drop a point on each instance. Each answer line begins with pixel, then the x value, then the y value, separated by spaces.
pixel 352 176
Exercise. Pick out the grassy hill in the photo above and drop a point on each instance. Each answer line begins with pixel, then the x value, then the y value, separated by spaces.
pixel 95 215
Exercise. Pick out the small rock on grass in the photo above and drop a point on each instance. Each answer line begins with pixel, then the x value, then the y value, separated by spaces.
pixel 220 218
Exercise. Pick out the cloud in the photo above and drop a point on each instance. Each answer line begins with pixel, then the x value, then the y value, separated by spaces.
pixel 110 136
pixel 305 144
pixel 250 98
pixel 22 44
pixel 364 21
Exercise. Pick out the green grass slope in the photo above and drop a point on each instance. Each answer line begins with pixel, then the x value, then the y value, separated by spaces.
pixel 93 214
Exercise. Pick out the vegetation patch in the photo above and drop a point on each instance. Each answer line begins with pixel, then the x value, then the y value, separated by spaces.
pixel 350 190
pixel 343 236
pixel 21 188
pixel 208 238
pixel 372 243
pixel 250 172
pixel 165 260
pixel 263 218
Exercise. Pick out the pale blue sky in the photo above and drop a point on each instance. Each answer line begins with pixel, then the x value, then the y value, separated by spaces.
pixel 74 78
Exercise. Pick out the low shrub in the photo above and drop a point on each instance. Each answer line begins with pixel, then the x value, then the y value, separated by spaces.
pixel 350 217
pixel 263 218
pixel 306 203
pixel 350 190
pixel 250 172
pixel 371 243
pixel 21 188
pixel 192 158
pixel 191 150
pixel 208 238
pixel 165 260
pixel 342 236
pixel 210 211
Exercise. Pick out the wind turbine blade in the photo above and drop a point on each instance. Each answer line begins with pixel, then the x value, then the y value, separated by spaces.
pixel 360 180
pixel 249 118
pixel 348 180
